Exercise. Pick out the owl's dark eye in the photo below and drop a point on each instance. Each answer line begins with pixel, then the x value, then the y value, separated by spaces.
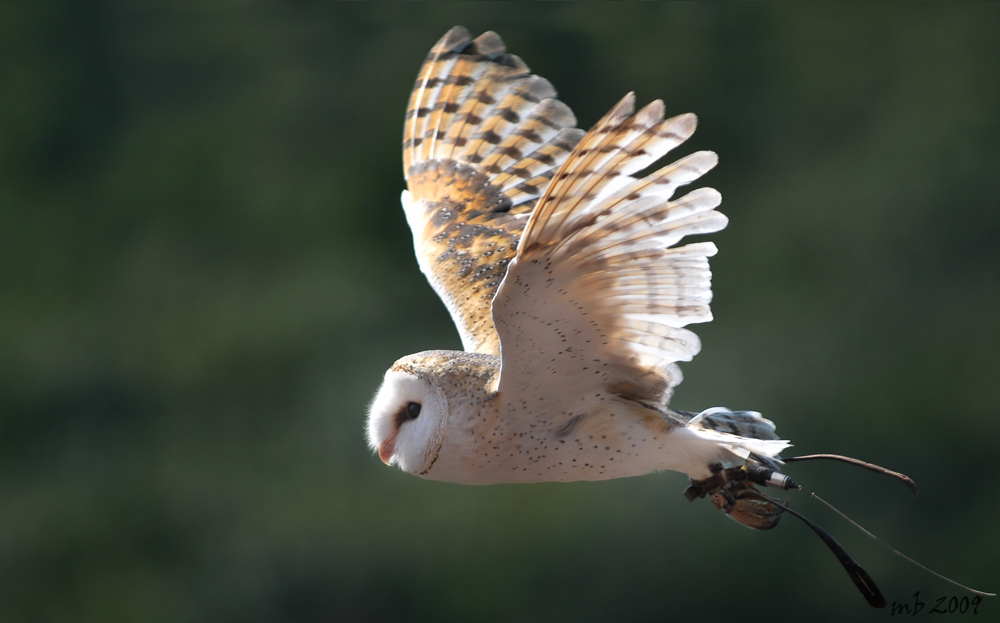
pixel 413 410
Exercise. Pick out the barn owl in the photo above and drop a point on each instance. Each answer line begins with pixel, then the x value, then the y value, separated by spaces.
pixel 565 277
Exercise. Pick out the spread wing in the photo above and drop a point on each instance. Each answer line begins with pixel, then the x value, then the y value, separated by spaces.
pixel 481 141
pixel 598 294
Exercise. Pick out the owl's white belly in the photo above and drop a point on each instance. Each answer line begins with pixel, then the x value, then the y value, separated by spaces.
pixel 608 442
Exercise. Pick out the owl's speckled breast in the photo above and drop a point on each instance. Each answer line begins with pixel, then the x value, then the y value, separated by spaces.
pixel 490 438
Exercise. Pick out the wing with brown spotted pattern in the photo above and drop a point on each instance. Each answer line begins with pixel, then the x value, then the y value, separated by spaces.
pixel 481 141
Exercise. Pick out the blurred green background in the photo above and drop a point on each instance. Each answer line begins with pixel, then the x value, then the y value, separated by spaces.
pixel 204 271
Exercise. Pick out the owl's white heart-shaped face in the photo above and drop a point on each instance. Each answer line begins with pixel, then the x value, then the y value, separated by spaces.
pixel 406 421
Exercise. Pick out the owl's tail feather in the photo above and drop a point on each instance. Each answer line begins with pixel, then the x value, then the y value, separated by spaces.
pixel 741 432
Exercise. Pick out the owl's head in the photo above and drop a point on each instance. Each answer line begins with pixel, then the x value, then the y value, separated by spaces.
pixel 406 419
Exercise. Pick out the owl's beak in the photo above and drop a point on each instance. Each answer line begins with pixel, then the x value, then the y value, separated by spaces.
pixel 386 450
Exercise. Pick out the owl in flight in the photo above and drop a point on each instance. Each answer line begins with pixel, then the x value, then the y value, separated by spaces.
pixel 566 280
pixel 571 290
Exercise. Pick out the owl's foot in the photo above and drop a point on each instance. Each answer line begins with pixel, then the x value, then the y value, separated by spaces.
pixel 732 491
